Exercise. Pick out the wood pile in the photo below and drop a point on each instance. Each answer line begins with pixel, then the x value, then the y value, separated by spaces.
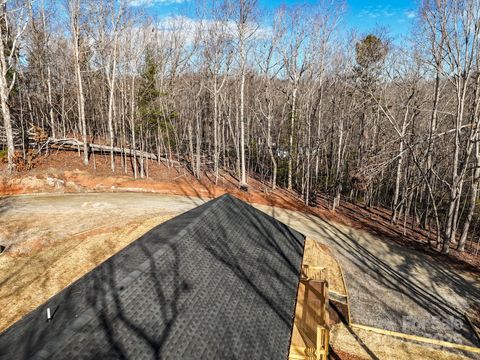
pixel 37 134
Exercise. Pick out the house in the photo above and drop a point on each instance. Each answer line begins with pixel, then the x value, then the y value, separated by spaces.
pixel 217 282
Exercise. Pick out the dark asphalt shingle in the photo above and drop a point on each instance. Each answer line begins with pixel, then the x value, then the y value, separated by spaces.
pixel 219 281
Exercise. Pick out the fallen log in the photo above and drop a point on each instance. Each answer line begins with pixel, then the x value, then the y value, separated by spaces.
pixel 74 143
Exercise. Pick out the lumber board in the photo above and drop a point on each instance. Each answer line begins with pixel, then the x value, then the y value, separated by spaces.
pixel 349 319
pixel 418 338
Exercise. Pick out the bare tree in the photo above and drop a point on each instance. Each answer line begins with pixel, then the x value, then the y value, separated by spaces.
pixel 296 63
pixel 10 34
pixel 243 12
pixel 74 11
pixel 462 43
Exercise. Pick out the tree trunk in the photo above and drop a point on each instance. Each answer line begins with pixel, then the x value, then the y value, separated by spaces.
pixel 398 177
pixel 473 201
pixel 215 130
pixel 75 14
pixel 4 92
pixel 290 139
pixel 243 181
pixel 132 127
pixel 270 151
pixel 50 102
pixel 111 102
pixel 6 112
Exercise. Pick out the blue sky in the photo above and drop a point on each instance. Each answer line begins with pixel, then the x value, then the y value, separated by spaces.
pixel 365 16
pixel 397 16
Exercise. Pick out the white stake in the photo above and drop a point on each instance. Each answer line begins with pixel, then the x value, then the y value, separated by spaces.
pixel 49 317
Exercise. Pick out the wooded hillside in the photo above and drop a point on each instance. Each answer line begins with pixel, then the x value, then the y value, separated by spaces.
pixel 293 98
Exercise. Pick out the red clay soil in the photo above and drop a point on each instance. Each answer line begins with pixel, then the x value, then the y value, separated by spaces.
pixel 63 171
pixel 68 169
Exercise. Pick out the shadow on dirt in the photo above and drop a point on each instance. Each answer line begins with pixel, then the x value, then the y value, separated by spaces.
pixel 397 288
pixel 5 203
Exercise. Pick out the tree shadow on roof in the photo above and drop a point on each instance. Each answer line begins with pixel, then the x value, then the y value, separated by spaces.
pixel 219 279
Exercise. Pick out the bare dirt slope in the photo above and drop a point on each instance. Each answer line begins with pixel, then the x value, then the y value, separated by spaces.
pixel 65 173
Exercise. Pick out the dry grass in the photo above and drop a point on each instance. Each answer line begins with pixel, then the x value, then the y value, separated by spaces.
pixel 28 281
pixel 369 345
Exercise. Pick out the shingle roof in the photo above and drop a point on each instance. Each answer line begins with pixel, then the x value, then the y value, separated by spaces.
pixel 217 282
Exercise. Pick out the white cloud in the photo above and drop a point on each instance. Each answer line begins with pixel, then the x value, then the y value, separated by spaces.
pixel 382 11
pixel 410 14
pixel 375 12
pixel 147 3
pixel 189 27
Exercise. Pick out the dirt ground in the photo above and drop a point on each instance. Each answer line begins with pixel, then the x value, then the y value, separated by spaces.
pixel 377 221
pixel 67 237
pixel 32 221
pixel 64 172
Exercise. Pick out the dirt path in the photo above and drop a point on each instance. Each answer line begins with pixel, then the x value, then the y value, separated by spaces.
pixel 390 286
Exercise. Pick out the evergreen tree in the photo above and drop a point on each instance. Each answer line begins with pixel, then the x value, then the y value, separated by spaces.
pixel 149 94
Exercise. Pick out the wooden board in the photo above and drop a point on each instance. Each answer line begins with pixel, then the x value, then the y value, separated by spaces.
pixel 418 338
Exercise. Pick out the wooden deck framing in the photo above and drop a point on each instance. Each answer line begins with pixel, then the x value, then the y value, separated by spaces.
pixel 310 337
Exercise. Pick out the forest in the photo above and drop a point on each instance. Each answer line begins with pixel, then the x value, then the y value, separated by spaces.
pixel 292 97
